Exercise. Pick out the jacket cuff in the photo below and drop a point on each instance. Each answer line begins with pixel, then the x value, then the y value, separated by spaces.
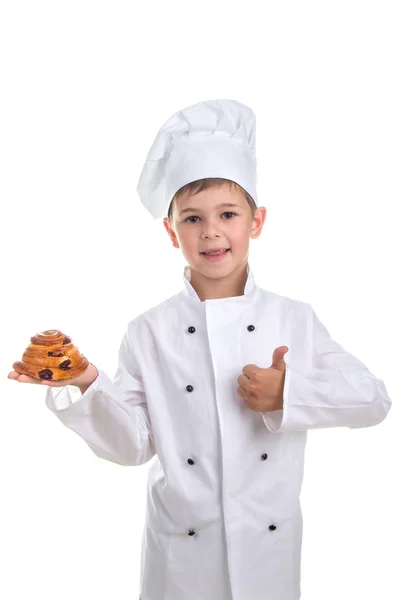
pixel 60 399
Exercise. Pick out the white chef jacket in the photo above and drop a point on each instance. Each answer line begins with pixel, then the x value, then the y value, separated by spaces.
pixel 223 518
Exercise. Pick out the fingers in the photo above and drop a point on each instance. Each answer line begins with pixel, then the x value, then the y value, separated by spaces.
pixel 25 379
pixel 21 378
pixel 243 381
pixel 13 375
pixel 242 392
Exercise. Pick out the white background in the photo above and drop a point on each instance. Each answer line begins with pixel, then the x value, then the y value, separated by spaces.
pixel 85 87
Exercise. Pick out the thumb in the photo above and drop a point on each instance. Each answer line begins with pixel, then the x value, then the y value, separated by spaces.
pixel 278 362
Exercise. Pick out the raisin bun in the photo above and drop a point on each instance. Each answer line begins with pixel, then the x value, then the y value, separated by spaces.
pixel 51 355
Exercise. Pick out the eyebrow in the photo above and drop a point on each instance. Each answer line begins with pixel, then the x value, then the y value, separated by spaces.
pixel 225 204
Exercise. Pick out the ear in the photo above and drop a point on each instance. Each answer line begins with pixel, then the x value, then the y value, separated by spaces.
pixel 258 222
pixel 171 232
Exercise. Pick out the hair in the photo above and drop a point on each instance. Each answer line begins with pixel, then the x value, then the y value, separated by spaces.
pixel 199 185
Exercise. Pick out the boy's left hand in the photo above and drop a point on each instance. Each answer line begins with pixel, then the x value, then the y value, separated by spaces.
pixel 262 389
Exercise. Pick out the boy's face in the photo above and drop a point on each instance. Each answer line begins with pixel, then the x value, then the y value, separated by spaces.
pixel 218 217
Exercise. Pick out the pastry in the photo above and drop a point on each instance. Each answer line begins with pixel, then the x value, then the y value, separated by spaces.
pixel 51 355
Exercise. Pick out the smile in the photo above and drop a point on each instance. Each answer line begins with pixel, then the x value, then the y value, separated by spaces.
pixel 215 257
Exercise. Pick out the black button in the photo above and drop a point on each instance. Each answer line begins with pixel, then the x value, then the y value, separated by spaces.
pixel 189 388
pixel 190 461
pixel 272 527
pixel 191 532
pixel 264 456
pixel 191 329
pixel 250 328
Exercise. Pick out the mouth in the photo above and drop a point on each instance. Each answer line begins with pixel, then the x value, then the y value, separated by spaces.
pixel 216 251
pixel 215 254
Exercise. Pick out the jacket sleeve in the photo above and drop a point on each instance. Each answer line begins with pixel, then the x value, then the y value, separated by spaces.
pixel 337 391
pixel 112 415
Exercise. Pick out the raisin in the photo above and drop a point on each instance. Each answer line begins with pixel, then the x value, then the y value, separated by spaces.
pixel 52 354
pixel 65 364
pixel 46 374
pixel 66 341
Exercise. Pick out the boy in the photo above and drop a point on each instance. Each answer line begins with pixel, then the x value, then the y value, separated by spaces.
pixel 221 381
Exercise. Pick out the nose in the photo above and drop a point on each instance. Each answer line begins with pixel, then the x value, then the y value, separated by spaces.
pixel 210 230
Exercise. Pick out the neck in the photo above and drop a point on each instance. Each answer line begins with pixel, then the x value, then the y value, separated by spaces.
pixel 225 287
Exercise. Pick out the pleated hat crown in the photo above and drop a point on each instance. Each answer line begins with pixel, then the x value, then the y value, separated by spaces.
pixel 216 138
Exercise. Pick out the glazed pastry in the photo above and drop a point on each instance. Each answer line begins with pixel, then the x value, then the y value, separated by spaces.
pixel 51 355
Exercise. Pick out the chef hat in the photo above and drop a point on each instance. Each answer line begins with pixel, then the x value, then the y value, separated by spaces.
pixel 209 139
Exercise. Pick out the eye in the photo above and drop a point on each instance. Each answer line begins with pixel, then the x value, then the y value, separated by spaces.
pixel 230 213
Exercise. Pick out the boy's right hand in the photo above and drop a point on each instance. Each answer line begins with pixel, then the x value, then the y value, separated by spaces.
pixel 83 381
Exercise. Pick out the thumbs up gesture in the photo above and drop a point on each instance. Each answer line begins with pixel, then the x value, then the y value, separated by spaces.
pixel 262 389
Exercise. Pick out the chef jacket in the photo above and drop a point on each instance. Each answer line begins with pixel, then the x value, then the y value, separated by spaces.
pixel 223 517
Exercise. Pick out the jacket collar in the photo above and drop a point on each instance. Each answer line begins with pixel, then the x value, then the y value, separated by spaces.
pixel 190 292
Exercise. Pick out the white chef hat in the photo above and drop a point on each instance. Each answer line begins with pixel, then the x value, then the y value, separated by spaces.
pixel 215 138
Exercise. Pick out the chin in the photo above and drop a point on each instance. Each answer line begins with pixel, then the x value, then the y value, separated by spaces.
pixel 215 271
